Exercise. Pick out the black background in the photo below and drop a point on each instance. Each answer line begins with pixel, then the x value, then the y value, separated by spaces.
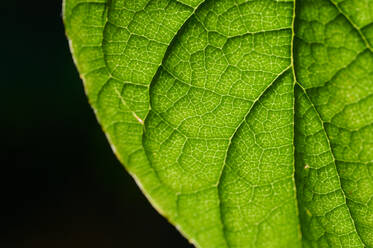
pixel 61 185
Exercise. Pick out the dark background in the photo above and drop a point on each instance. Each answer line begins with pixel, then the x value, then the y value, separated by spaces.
pixel 61 185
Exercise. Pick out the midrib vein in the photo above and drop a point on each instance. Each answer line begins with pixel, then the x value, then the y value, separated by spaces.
pixel 294 82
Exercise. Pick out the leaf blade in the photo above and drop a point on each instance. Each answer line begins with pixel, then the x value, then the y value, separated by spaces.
pixel 181 83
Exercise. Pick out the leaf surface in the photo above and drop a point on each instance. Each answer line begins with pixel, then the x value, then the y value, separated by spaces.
pixel 246 123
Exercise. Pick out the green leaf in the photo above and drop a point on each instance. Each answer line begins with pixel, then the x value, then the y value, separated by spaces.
pixel 247 123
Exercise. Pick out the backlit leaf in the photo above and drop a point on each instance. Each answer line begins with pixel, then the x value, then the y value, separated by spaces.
pixel 247 123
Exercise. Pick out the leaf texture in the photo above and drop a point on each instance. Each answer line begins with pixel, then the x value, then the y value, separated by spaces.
pixel 247 123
